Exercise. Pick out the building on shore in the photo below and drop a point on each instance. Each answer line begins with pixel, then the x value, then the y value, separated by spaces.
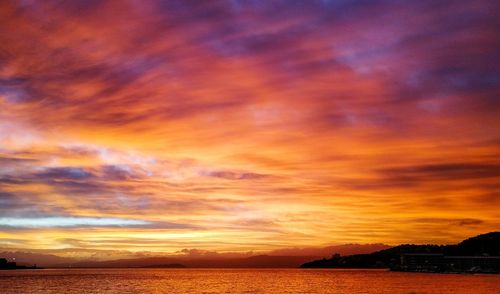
pixel 433 262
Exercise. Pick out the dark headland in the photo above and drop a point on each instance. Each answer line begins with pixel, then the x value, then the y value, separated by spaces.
pixel 480 254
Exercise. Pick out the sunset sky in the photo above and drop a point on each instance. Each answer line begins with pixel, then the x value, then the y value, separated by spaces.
pixel 237 126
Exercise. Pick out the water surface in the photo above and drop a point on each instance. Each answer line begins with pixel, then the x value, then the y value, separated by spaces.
pixel 241 281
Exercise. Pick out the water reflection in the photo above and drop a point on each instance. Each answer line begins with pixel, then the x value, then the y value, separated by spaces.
pixel 240 281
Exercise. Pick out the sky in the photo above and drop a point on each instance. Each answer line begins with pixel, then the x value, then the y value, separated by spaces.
pixel 237 126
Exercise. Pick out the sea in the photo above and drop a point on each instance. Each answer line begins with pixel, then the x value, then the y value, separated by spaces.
pixel 241 281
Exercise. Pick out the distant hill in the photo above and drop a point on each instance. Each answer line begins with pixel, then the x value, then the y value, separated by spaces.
pixel 29 258
pixel 284 257
pixel 258 261
pixel 169 265
pixel 342 249
pixel 486 244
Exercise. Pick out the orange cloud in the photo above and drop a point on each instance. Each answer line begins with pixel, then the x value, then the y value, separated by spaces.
pixel 238 127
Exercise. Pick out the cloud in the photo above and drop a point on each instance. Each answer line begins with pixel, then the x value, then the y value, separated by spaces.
pixel 446 171
pixel 8 201
pixel 470 222
pixel 51 222
pixel 7 160
pixel 246 118
pixel 233 175
pixel 84 222
pixel 64 173
pixel 450 221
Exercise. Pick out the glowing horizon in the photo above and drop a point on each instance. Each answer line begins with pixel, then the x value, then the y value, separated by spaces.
pixel 237 126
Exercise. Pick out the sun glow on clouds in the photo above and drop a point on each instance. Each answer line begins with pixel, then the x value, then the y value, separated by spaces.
pixel 237 126
pixel 51 222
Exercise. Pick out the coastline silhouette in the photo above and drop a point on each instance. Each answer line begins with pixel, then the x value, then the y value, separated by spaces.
pixel 477 254
pixel 11 265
